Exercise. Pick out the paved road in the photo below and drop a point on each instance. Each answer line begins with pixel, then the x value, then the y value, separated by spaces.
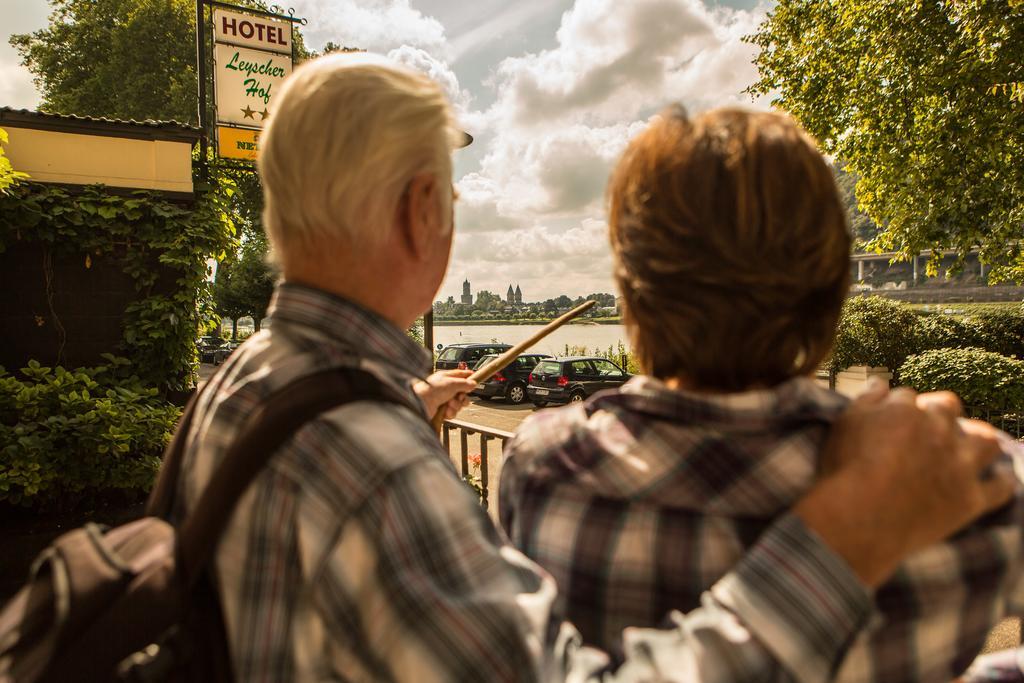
pixel 205 370
pixel 495 414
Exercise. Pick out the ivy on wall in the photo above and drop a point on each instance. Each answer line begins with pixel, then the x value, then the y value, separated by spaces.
pixel 140 229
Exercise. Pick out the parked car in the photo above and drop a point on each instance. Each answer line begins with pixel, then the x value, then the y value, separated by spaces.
pixel 208 347
pixel 567 380
pixel 510 383
pixel 221 353
pixel 463 356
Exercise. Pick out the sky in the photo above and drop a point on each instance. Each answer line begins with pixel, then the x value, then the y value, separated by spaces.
pixel 552 91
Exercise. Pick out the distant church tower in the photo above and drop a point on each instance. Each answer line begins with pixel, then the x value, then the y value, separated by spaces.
pixel 519 296
pixel 467 295
pixel 510 297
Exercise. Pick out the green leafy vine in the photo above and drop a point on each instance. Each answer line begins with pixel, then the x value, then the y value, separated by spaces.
pixel 163 245
pixel 8 176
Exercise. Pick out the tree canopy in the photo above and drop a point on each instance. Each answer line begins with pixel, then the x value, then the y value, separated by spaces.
pixel 862 228
pixel 487 301
pixel 120 59
pixel 910 95
pixel 123 59
pixel 245 282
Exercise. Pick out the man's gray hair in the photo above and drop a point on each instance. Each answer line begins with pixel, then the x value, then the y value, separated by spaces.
pixel 347 134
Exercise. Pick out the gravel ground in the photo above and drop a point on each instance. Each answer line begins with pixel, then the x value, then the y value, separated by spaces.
pixel 1003 636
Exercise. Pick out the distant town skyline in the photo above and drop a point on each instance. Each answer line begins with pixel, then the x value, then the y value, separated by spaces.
pixel 518 291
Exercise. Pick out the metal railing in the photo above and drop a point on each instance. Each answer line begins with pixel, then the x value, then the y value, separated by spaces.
pixel 486 435
pixel 1012 424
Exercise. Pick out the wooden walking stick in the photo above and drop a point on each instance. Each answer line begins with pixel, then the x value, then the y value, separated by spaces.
pixel 499 363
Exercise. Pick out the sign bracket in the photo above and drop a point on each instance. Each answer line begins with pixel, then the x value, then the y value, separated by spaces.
pixel 275 12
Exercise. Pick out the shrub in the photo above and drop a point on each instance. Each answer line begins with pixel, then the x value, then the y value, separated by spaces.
pixel 68 436
pixel 941 331
pixel 621 356
pixel 876 332
pixel 1001 332
pixel 984 380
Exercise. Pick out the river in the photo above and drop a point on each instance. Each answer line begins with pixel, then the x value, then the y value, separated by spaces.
pixel 594 337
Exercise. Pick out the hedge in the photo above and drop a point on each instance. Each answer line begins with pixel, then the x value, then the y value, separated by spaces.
pixel 985 380
pixel 876 332
pixel 70 437
pixel 1001 332
pixel 940 331
pixel 881 332
pixel 998 331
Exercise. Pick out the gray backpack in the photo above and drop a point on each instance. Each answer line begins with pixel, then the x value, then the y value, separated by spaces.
pixel 137 603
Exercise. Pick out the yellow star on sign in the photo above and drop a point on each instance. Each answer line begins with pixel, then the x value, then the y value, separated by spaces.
pixel 249 113
pixel 264 113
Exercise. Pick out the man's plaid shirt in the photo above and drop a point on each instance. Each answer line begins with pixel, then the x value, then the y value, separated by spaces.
pixel 641 499
pixel 359 555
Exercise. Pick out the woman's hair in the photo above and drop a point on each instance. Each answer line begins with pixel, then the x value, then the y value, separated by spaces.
pixel 347 134
pixel 731 248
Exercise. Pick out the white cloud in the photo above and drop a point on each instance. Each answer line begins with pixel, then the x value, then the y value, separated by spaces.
pixel 16 87
pixel 540 243
pixel 560 171
pixel 437 69
pixel 511 16
pixel 375 25
pixel 562 116
pixel 616 60
pixel 477 210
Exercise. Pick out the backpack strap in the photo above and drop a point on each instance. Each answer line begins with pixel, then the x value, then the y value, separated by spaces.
pixel 161 499
pixel 275 420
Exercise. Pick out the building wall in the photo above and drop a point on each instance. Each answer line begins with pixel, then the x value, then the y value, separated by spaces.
pixel 88 305
pixel 76 159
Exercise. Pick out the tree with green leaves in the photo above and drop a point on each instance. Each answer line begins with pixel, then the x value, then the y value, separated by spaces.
pixel 120 59
pixel 244 284
pixel 863 229
pixel 486 301
pixel 908 94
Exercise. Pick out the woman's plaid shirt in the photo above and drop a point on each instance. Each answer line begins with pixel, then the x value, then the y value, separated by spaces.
pixel 359 555
pixel 640 500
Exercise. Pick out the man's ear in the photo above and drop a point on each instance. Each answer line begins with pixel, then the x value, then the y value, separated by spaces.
pixel 419 215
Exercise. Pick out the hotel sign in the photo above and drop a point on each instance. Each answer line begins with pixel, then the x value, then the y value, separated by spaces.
pixel 247 81
pixel 252 57
pixel 244 30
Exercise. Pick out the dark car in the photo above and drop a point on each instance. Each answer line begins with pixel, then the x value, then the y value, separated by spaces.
pixel 221 354
pixel 510 383
pixel 567 380
pixel 463 356
pixel 208 348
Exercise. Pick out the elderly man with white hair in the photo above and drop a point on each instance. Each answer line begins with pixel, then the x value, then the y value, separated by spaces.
pixel 359 555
